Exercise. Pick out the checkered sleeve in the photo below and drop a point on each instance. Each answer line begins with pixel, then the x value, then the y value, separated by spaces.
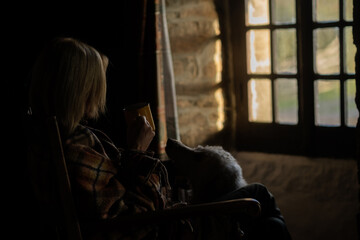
pixel 96 187
pixel 146 180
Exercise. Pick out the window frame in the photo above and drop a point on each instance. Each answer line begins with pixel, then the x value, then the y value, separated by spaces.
pixel 305 138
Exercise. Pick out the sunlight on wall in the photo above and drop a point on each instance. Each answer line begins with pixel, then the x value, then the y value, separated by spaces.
pixel 221 116
pixel 218 61
pixel 216 27
pixel 218 93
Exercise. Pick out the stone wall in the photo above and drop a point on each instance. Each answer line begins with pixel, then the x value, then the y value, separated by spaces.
pixel 196 50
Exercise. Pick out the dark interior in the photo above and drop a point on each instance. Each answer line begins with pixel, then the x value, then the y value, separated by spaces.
pixel 114 29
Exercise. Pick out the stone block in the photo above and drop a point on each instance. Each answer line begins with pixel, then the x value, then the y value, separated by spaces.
pixel 211 51
pixel 186 29
pixel 206 101
pixel 179 3
pixel 184 102
pixel 195 136
pixel 209 71
pixel 185 68
pixel 192 116
pixel 199 101
pixel 201 10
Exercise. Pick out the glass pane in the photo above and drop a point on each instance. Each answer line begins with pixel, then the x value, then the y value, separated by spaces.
pixel 327 102
pixel 285 51
pixel 286 101
pixel 327 59
pixel 350 49
pixel 259 98
pixel 258 51
pixel 326 10
pixel 283 11
pixel 348 10
pixel 256 12
pixel 352 113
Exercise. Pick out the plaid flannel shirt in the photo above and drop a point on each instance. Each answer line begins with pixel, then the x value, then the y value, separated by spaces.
pixel 108 181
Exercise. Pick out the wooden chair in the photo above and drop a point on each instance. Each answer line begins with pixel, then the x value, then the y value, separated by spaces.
pixel 68 226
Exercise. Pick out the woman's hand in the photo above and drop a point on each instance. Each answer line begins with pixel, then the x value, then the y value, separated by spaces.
pixel 140 134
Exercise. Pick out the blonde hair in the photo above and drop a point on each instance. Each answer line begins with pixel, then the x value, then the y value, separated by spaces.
pixel 69 82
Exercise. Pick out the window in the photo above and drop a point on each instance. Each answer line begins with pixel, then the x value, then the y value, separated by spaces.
pixel 272 53
pixel 294 68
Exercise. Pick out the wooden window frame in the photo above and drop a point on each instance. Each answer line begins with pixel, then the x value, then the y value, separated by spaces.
pixel 305 138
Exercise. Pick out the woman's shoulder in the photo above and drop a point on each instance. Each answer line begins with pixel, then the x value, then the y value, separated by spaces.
pixel 84 147
pixel 82 135
pixel 88 139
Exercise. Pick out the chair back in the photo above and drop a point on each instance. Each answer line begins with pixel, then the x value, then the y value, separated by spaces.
pixel 50 181
pixel 68 219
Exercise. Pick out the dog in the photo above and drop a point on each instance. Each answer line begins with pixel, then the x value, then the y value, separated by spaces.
pixel 211 171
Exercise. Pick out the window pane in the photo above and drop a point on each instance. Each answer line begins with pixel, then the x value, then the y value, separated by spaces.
pixel 259 98
pixel 326 10
pixel 286 101
pixel 348 10
pixel 352 113
pixel 256 12
pixel 283 11
pixel 350 50
pixel 327 102
pixel 327 60
pixel 285 51
pixel 258 51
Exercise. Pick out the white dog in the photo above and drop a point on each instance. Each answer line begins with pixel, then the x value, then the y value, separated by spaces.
pixel 212 171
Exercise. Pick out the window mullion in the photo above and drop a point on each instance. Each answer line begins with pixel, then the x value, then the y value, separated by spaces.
pixel 342 78
pixel 306 72
pixel 272 61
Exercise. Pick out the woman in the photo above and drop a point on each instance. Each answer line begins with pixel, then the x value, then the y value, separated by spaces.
pixel 69 82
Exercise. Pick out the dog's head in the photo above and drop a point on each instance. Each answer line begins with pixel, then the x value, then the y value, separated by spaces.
pixel 210 169
pixel 189 161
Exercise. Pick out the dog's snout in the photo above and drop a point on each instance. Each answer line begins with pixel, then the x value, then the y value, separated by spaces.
pixel 175 147
pixel 170 143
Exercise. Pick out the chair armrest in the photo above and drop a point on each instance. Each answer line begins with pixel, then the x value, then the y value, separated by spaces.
pixel 243 207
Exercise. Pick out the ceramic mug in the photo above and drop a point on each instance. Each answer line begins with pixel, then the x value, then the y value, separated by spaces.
pixel 138 109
